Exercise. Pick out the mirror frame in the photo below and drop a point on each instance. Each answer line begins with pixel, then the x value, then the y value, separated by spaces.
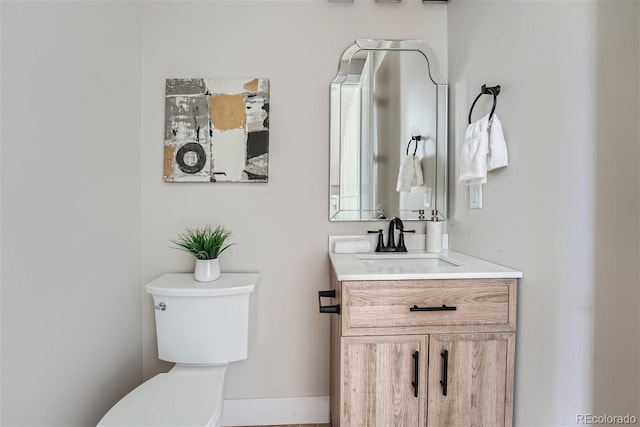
pixel 441 184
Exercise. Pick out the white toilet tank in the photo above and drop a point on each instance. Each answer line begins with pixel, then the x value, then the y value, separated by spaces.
pixel 202 322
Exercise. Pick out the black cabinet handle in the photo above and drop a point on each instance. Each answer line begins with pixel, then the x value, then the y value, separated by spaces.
pixel 416 373
pixel 445 371
pixel 442 308
pixel 331 309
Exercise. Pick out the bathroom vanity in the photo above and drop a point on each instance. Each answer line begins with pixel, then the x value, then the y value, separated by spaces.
pixel 421 339
pixel 417 339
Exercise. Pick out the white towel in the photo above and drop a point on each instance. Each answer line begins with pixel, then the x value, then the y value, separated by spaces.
pixel 472 164
pixel 418 176
pixel 351 246
pixel 406 175
pixel 497 156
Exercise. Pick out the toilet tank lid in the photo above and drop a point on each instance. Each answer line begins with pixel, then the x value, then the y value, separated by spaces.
pixel 183 284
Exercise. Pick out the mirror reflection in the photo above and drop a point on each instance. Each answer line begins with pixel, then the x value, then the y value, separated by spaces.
pixel 388 133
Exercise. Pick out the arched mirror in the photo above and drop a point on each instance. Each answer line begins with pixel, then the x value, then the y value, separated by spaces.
pixel 388 109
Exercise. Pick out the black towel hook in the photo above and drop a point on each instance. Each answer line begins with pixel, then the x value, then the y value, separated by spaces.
pixel 416 139
pixel 494 90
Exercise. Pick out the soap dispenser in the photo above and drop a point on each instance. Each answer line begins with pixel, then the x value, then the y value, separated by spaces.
pixel 434 232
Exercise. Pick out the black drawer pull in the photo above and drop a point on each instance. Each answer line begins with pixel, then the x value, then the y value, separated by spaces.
pixel 331 309
pixel 416 373
pixel 443 308
pixel 445 371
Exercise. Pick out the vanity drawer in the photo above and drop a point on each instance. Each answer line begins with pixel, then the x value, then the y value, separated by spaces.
pixel 426 306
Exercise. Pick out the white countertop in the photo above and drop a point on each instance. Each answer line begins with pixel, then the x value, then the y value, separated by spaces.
pixel 419 265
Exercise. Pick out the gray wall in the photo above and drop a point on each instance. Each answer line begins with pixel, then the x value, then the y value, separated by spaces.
pixel 71 235
pixel 566 209
pixel 616 319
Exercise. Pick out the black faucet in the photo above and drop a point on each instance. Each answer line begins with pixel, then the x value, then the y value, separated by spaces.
pixel 394 223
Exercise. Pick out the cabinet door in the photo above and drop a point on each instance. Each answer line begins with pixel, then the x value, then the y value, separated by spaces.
pixel 470 380
pixel 383 381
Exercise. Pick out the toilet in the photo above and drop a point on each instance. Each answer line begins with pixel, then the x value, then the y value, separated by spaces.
pixel 201 327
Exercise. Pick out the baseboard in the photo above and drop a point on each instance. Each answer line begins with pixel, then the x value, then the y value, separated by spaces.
pixel 256 412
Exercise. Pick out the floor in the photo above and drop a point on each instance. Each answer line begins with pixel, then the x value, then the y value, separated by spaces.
pixel 302 425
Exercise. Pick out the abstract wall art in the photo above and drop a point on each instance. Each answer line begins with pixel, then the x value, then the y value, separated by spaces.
pixel 216 130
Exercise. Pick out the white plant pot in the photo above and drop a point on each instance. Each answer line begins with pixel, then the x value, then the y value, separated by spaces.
pixel 207 270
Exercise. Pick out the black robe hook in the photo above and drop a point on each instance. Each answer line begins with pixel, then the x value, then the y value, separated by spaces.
pixel 494 90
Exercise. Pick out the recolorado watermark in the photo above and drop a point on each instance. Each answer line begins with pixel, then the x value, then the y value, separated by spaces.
pixel 585 419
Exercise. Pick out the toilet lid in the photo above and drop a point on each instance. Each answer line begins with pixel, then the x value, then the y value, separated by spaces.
pixel 173 399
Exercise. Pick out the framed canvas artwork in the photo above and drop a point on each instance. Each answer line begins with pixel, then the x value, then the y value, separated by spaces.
pixel 216 130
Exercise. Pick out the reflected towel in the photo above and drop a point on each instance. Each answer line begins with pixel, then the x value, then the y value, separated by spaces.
pixel 418 176
pixel 497 156
pixel 472 164
pixel 406 174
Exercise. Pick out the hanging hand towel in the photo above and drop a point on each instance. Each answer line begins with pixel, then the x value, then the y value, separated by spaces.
pixel 418 176
pixel 472 164
pixel 406 174
pixel 497 157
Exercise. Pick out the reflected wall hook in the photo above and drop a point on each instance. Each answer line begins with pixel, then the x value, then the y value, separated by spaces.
pixel 493 90
pixel 416 139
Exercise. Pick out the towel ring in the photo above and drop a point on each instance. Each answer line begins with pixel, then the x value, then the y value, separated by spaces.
pixel 416 139
pixel 495 90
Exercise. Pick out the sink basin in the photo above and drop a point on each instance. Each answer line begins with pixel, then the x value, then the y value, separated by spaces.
pixel 407 261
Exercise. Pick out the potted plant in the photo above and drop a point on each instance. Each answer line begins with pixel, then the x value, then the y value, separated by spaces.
pixel 205 245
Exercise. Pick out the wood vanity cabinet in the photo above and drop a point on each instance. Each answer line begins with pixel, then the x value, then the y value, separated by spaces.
pixel 423 353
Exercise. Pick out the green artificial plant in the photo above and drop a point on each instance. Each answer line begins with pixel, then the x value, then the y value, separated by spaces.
pixel 203 243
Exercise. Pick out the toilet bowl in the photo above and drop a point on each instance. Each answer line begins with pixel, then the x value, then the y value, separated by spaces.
pixel 202 327
pixel 172 399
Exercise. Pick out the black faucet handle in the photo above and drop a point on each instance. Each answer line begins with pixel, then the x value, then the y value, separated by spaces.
pixel 380 244
pixel 401 246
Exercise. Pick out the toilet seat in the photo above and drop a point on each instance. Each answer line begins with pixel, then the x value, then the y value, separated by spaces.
pixel 171 399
